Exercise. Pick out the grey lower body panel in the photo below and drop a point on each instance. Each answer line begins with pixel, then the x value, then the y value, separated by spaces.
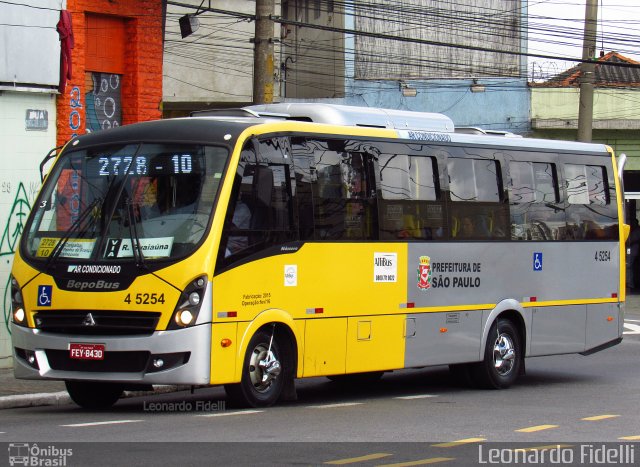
pixel 128 359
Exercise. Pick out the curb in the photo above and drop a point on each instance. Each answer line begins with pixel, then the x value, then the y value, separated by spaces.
pixel 62 398
pixel 34 400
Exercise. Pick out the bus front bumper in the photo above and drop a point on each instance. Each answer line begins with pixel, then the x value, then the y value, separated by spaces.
pixel 165 357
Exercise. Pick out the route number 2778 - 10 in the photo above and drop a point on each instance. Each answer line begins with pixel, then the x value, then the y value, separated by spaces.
pixel 145 298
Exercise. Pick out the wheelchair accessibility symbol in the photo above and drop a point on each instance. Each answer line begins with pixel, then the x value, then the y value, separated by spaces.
pixel 537 261
pixel 44 295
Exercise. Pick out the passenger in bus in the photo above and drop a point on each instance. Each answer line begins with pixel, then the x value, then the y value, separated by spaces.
pixel 467 228
pixel 478 226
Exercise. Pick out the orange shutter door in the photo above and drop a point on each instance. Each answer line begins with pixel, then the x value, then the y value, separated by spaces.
pixel 105 44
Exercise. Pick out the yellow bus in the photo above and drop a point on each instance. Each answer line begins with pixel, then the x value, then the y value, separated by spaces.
pixel 251 247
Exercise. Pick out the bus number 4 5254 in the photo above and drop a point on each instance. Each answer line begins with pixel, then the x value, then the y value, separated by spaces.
pixel 145 298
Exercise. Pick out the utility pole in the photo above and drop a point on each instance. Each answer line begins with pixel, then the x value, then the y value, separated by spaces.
pixel 587 72
pixel 263 53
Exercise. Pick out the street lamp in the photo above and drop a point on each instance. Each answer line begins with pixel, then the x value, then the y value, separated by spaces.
pixel 189 23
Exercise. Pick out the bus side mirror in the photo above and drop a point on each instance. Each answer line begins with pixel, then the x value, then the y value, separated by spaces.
pixel 44 165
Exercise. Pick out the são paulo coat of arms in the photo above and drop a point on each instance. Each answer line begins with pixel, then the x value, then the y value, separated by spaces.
pixel 424 273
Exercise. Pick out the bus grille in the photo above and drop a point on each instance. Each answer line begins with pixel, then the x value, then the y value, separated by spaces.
pixel 123 362
pixel 93 323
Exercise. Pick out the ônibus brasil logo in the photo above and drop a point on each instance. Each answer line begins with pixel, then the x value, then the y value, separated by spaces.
pixel 424 273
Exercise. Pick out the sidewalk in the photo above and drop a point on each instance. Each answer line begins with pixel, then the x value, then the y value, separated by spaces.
pixel 31 393
pixel 28 393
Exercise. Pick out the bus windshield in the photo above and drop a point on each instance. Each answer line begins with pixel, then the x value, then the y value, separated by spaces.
pixel 126 202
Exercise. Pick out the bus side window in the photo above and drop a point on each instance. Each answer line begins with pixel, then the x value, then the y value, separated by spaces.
pixel 305 177
pixel 343 192
pixel 259 214
pixel 410 207
pixel 475 189
pixel 533 199
pixel 590 212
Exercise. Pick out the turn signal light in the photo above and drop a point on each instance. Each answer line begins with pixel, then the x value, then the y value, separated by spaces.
pixel 225 342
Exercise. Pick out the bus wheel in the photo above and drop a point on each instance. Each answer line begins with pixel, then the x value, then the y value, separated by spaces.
pixel 502 357
pixel 262 381
pixel 94 395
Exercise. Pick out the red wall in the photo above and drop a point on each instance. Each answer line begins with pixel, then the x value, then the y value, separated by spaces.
pixel 142 75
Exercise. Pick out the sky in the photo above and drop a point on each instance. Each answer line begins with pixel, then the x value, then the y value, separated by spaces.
pixel 556 28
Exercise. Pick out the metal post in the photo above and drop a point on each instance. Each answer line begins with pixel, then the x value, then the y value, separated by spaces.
pixel 587 75
pixel 263 53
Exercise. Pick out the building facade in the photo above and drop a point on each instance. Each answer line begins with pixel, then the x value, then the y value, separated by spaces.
pixel 66 67
pixel 616 114
pixel 29 75
pixel 464 59
pixel 212 67
pixel 116 65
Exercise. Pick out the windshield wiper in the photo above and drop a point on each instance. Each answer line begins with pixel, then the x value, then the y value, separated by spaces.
pixel 57 250
pixel 138 256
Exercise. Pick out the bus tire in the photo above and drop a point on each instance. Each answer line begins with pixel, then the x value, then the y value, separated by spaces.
pixel 94 395
pixel 262 382
pixel 502 357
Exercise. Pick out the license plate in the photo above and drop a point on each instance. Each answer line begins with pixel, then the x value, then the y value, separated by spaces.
pixel 86 351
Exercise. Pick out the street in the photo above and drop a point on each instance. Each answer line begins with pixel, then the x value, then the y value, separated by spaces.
pixel 413 415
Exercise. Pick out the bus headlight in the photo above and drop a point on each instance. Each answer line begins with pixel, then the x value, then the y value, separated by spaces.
pixel 188 305
pixel 184 317
pixel 17 305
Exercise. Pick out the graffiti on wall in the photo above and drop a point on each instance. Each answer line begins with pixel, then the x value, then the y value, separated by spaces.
pixel 75 117
pixel 10 236
pixel 103 101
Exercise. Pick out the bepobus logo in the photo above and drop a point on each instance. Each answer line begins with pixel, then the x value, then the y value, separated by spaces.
pixel 93 285
pixel 34 455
